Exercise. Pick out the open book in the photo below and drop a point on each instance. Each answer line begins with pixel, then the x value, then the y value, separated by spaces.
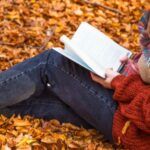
pixel 93 50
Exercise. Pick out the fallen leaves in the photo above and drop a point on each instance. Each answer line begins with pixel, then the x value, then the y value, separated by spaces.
pixel 36 134
pixel 20 122
pixel 24 24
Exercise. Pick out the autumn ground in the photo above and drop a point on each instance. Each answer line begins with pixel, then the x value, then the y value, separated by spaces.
pixel 28 27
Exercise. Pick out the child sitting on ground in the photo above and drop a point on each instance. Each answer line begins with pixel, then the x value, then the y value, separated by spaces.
pixel 131 125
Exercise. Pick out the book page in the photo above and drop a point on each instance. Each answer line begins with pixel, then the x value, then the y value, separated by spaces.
pixel 72 56
pixel 71 47
pixel 99 47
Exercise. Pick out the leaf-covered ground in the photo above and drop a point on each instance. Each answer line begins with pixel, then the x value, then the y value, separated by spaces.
pixel 28 27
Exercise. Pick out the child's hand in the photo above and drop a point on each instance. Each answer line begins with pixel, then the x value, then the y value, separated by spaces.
pixel 110 75
pixel 124 59
pixel 133 65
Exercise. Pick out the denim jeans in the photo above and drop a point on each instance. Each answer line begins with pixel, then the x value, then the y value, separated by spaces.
pixel 51 86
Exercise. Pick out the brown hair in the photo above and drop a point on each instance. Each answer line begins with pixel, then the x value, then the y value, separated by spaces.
pixel 148 24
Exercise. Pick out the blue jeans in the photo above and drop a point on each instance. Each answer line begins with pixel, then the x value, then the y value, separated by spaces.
pixel 51 86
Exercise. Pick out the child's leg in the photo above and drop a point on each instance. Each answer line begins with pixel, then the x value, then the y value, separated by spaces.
pixel 74 86
pixel 70 82
pixel 23 80
pixel 46 106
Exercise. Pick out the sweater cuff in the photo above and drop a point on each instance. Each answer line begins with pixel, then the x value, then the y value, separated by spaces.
pixel 117 80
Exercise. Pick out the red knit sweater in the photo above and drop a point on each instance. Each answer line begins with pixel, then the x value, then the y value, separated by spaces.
pixel 131 125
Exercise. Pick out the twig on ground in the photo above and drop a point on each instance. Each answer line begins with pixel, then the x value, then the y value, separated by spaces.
pixel 10 62
pixel 50 32
pixel 98 4
pixel 7 44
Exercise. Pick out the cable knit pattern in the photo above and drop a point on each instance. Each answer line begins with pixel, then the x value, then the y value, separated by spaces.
pixel 131 125
pixel 126 91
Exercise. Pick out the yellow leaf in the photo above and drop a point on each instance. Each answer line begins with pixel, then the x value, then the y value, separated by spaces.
pixel 127 124
pixel 20 122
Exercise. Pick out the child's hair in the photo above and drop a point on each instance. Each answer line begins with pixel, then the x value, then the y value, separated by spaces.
pixel 144 28
pixel 144 70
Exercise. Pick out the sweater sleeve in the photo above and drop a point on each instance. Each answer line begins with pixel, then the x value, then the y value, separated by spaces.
pixel 138 111
pixel 126 88
pixel 146 109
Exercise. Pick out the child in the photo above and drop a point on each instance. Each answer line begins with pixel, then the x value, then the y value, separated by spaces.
pixel 51 86
pixel 131 124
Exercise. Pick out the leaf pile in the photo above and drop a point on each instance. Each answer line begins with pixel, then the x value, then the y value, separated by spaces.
pixel 37 134
pixel 28 27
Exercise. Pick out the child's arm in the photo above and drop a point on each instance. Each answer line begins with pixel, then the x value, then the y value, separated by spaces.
pixel 126 88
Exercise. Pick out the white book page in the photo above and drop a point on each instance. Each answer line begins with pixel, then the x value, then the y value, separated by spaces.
pixel 72 56
pixel 101 49
pixel 70 46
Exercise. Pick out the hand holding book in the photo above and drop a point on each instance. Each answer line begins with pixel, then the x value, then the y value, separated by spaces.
pixel 110 75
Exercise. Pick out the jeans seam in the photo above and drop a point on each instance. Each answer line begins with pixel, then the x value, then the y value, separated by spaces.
pixel 37 104
pixel 20 74
pixel 83 85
